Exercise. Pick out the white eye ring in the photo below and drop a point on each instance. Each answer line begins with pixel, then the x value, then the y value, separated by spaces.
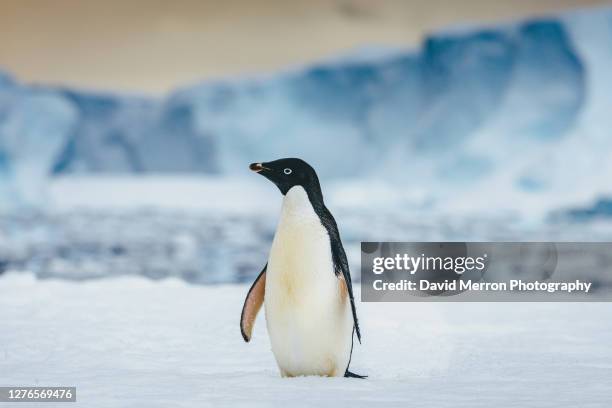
pixel 287 171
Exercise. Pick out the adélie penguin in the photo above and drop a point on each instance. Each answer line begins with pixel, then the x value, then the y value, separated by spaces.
pixel 306 284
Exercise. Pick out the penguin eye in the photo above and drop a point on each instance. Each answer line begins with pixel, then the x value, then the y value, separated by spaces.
pixel 287 171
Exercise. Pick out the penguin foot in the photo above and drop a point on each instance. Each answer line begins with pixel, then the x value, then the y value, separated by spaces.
pixel 348 374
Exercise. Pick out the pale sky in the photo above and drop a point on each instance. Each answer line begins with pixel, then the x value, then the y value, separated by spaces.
pixel 152 46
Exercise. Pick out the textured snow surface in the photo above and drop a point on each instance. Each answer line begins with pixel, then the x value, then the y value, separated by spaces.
pixel 131 342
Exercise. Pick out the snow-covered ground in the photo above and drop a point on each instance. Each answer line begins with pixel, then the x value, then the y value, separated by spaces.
pixel 125 340
pixel 132 342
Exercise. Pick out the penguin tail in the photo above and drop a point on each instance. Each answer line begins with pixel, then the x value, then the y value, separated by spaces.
pixel 348 374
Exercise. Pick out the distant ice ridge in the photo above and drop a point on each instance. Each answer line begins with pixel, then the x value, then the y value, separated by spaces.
pixel 516 114
pixel 34 128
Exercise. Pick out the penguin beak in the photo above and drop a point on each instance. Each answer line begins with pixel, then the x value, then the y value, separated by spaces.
pixel 257 167
pixel 271 174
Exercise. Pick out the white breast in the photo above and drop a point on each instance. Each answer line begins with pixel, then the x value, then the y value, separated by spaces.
pixel 309 320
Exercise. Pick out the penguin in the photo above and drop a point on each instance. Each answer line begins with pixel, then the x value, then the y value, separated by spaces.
pixel 306 285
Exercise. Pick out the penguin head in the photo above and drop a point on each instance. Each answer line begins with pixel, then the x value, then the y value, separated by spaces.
pixel 287 173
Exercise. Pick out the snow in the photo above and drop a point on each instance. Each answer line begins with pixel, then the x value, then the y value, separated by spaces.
pixel 225 195
pixel 132 342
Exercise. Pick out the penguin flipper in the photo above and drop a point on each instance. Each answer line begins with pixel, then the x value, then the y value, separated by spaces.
pixel 252 304
pixel 341 269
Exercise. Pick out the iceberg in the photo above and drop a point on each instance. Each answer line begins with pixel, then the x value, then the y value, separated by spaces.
pixel 501 107
pixel 34 128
